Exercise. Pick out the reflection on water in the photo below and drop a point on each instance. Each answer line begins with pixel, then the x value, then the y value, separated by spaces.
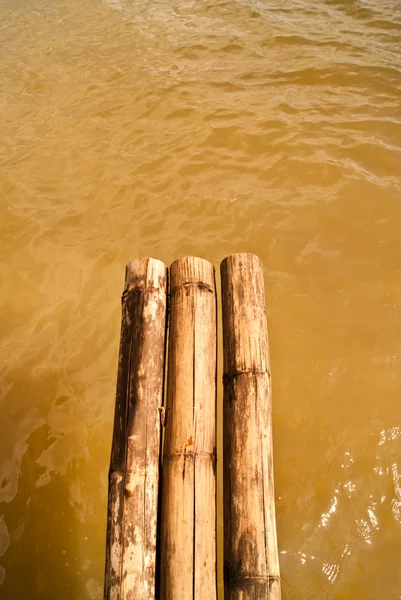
pixel 202 128
pixel 358 515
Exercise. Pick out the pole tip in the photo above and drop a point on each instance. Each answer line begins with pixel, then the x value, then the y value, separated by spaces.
pixel 239 259
pixel 145 272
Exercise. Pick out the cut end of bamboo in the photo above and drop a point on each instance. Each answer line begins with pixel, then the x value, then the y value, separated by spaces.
pixel 192 270
pixel 145 273
pixel 241 257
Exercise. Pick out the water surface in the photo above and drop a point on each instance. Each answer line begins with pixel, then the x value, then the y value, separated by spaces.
pixel 198 127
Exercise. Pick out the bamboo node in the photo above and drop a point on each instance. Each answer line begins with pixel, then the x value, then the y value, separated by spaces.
pixel 195 453
pixel 204 287
pixel 237 373
pixel 131 290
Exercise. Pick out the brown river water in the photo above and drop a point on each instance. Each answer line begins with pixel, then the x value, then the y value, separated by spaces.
pixel 197 127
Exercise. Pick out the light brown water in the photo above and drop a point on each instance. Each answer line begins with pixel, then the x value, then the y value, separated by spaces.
pixel 199 127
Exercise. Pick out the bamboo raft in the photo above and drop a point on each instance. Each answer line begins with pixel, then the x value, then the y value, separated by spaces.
pixel 161 525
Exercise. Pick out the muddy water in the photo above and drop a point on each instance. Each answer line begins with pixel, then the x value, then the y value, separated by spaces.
pixel 198 127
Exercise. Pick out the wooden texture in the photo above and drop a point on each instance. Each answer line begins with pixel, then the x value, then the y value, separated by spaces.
pixel 188 563
pixel 134 465
pixel 251 567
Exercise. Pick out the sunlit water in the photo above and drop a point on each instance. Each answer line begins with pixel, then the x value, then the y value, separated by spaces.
pixel 199 127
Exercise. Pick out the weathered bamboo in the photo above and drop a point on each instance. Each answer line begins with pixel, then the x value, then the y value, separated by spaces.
pixel 188 561
pixel 251 566
pixel 134 465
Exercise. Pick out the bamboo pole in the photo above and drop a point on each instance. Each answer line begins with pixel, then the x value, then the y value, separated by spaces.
pixel 134 464
pixel 188 561
pixel 251 566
